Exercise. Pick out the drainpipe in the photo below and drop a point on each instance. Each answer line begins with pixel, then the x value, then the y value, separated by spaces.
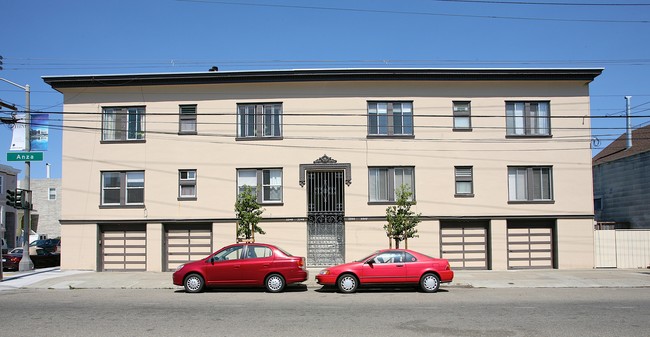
pixel 47 170
pixel 629 122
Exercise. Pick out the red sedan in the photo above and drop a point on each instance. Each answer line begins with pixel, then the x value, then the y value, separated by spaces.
pixel 243 264
pixel 389 267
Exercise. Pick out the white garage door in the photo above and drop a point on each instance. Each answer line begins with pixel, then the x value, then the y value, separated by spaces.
pixel 530 248
pixel 464 246
pixel 124 250
pixel 187 243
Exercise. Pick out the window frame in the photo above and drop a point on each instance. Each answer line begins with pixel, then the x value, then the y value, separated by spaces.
pixel 123 189
pixel 185 182
pixel 530 185
pixel 187 113
pixel 49 193
pixel 391 117
pixel 390 184
pixel 121 131
pixel 464 179
pixel 256 128
pixel 530 124
pixel 259 188
pixel 457 113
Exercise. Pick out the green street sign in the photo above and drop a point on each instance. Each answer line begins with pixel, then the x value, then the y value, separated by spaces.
pixel 24 156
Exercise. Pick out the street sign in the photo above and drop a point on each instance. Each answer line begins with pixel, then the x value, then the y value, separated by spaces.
pixel 24 156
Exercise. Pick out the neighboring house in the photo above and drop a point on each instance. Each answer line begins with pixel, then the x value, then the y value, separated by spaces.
pixel 152 164
pixel 8 181
pixel 622 181
pixel 46 199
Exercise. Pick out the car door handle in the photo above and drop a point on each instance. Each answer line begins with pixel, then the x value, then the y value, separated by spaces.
pixel 266 265
pixel 237 266
pixel 400 265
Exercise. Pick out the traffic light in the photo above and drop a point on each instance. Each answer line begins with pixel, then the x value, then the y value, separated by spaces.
pixel 11 198
pixel 17 198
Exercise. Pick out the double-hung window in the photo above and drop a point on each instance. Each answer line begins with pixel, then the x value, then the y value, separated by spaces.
pixel 384 182
pixel 528 119
pixel 187 184
pixel 124 188
pixel 257 121
pixel 530 183
pixel 464 181
pixel 187 119
pixel 266 184
pixel 51 193
pixel 462 116
pixel 123 124
pixel 390 118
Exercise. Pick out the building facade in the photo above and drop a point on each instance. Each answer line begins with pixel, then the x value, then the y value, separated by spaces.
pixel 498 160
pixel 46 200
pixel 12 229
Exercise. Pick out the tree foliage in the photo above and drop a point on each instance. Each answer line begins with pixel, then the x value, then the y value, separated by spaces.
pixel 401 220
pixel 248 214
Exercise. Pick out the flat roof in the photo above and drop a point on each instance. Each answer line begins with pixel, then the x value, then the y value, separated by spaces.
pixel 349 74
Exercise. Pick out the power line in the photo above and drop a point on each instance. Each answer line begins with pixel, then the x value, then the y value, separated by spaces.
pixel 532 3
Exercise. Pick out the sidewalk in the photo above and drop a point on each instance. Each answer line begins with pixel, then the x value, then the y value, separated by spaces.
pixel 54 278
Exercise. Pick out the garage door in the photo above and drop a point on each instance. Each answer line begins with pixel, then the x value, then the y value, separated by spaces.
pixel 124 250
pixel 465 246
pixel 187 243
pixel 530 247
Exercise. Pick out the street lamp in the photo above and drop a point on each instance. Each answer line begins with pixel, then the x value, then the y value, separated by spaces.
pixel 25 262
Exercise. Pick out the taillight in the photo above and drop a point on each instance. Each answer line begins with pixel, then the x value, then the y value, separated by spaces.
pixel 301 263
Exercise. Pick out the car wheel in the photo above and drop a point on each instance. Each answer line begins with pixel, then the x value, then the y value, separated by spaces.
pixel 194 283
pixel 430 283
pixel 348 283
pixel 274 283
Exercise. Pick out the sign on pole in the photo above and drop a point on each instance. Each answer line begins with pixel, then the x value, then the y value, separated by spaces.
pixel 24 156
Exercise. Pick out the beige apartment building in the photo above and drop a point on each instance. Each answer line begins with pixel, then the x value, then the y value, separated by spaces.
pixel 499 161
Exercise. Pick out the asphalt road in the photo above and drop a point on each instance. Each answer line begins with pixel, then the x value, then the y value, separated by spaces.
pixel 302 312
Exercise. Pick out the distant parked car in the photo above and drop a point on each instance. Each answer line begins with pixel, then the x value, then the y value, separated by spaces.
pixel 51 245
pixel 243 264
pixel 395 267
pixel 42 259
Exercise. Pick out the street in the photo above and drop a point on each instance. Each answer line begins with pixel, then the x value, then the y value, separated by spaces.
pixel 321 312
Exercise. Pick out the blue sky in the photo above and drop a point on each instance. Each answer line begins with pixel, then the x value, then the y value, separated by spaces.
pixel 75 37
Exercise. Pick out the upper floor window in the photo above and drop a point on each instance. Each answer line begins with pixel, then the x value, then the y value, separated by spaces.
pixel 532 183
pixel 528 119
pixel 462 116
pixel 464 181
pixel 187 119
pixel 51 193
pixel 383 183
pixel 259 120
pixel 187 184
pixel 266 184
pixel 390 118
pixel 122 188
pixel 123 124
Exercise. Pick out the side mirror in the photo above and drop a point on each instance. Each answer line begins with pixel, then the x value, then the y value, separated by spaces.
pixel 370 262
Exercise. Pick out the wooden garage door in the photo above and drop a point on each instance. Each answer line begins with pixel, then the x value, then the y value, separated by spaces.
pixel 187 243
pixel 124 250
pixel 464 246
pixel 530 247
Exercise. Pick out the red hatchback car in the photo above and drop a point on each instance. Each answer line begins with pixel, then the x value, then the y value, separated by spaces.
pixel 243 264
pixel 389 267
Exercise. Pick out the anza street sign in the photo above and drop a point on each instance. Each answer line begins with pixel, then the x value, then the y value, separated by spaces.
pixel 24 156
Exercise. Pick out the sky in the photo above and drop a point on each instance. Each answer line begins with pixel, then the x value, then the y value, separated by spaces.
pixel 81 37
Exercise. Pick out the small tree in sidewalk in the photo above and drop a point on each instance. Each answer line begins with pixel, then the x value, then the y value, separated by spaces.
pixel 401 220
pixel 249 214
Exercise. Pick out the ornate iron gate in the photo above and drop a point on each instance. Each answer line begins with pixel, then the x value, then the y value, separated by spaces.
pixel 325 218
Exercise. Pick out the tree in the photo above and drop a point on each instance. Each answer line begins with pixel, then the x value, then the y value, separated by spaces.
pixel 248 214
pixel 401 220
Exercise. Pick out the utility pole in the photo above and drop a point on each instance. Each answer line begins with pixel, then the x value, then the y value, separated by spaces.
pixel 628 119
pixel 25 262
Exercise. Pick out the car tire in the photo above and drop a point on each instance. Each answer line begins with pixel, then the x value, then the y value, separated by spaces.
pixel 347 283
pixel 194 283
pixel 274 283
pixel 430 283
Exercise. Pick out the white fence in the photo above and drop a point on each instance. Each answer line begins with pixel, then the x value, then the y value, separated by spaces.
pixel 623 248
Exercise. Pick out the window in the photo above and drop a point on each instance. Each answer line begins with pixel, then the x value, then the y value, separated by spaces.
pixel 390 118
pixel 187 119
pixel 528 119
pixel 269 180
pixel 123 124
pixel 464 181
pixel 187 184
pixel 383 183
pixel 598 204
pixel 259 120
pixel 2 186
pixel 254 252
pixel 462 116
pixel 51 193
pixel 122 188
pixel 231 253
pixel 530 183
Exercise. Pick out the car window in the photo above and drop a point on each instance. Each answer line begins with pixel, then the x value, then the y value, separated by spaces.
pixel 232 253
pixel 388 257
pixel 408 257
pixel 258 252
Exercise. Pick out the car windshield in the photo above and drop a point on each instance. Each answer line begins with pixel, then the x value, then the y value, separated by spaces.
pixel 37 243
pixel 367 257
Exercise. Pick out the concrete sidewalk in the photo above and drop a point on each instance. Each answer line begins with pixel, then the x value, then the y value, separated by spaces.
pixel 54 278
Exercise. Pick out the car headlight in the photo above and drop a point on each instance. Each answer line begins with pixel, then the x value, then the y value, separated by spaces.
pixel 324 272
pixel 179 267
